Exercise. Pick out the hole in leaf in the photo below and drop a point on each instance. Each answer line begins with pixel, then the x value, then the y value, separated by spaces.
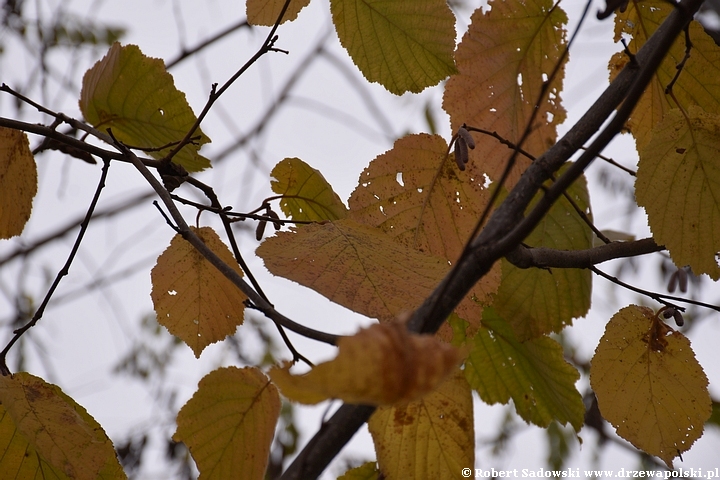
pixel 399 179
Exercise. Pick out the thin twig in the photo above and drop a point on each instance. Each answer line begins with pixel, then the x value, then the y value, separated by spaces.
pixel 187 53
pixel 62 273
pixel 267 46
pixel 210 194
pixel 259 302
pixel 658 297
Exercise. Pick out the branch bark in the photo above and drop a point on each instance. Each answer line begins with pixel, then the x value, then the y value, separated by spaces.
pixel 528 257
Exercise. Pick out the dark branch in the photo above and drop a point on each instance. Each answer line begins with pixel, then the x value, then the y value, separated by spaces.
pixel 500 236
pixel 62 273
pixel 526 257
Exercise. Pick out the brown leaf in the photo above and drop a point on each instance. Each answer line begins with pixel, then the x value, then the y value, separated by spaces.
pixel 380 365
pixel 18 182
pixel 192 299
pixel 503 60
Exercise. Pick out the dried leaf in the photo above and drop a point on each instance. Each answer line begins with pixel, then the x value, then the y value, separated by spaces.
pixel 229 423
pixel 503 60
pixel 354 265
pixel 380 365
pixel 649 384
pixel 415 194
pixel 18 182
pixel 192 299
pixel 266 12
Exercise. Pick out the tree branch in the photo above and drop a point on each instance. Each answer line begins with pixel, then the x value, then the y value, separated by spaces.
pixel 500 236
pixel 528 257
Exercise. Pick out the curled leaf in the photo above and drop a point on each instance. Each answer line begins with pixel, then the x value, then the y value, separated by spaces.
pixel 380 365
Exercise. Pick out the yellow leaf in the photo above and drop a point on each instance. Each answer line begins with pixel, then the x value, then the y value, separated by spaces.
pixel 417 195
pixel 503 60
pixel 18 182
pixel 533 373
pixel 431 438
pixel 649 384
pixel 537 301
pixel 308 196
pixel 404 46
pixel 45 434
pixel 354 265
pixel 192 299
pixel 697 83
pixel 366 471
pixel 266 12
pixel 678 183
pixel 136 97
pixel 229 423
pixel 380 365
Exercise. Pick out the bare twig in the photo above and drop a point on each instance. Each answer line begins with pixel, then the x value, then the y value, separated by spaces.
pixel 267 46
pixel 62 273
pixel 187 53
pixel 658 297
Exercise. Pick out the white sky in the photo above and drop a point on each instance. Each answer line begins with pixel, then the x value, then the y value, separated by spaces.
pixel 327 125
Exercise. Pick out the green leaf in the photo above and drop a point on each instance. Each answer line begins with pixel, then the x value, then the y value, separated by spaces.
pixel 44 434
pixel 404 46
pixel 533 373
pixel 229 423
pixel 136 97
pixel 678 183
pixel 537 301
pixel 307 195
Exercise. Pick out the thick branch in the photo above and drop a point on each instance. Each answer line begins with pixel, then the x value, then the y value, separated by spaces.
pixel 492 243
pixel 527 257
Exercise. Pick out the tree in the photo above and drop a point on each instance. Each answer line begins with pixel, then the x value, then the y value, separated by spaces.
pixel 485 240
